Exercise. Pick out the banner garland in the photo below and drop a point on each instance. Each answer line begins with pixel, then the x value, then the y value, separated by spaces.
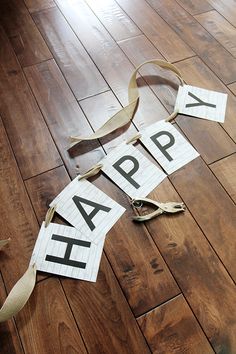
pixel 57 243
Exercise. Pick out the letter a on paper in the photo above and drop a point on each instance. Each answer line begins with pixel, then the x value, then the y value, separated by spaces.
pixel 87 208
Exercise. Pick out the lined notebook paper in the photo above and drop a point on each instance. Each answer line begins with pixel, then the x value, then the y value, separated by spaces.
pixel 201 103
pixel 132 171
pixel 168 146
pixel 63 250
pixel 87 208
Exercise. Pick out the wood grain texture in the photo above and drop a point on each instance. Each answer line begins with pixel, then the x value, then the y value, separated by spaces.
pixel 116 21
pixel 224 170
pixel 100 45
pixel 195 7
pixel 172 328
pixel 196 268
pixel 62 114
pixel 232 88
pixel 32 144
pixel 204 45
pixel 10 341
pixel 24 36
pixel 38 5
pixel 226 8
pixel 165 86
pixel 220 29
pixel 79 70
pixel 46 324
pixel 23 227
pixel 159 33
pixel 207 202
pixel 101 311
pixel 111 328
pixel 198 74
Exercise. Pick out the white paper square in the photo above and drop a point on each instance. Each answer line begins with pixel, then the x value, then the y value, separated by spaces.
pixel 102 220
pixel 217 99
pixel 45 246
pixel 181 152
pixel 148 176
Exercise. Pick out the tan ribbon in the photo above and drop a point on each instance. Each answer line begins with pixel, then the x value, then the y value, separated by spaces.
pixel 49 215
pixel 91 172
pixel 126 114
pixel 19 294
pixel 4 243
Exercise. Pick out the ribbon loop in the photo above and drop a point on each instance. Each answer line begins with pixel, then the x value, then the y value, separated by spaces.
pixel 126 114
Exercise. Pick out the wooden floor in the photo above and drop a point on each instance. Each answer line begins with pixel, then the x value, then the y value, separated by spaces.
pixel 165 287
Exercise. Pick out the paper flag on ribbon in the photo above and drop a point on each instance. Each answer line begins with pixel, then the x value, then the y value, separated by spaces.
pixel 201 103
pixel 64 250
pixel 168 146
pixel 87 208
pixel 132 171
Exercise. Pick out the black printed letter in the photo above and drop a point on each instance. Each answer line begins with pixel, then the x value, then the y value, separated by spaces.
pixel 163 148
pixel 88 217
pixel 199 102
pixel 66 259
pixel 128 175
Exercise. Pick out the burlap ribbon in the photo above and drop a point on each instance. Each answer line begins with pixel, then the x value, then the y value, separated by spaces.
pixel 126 114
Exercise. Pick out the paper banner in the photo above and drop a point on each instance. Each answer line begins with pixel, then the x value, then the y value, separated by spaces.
pixel 168 146
pixel 201 103
pixel 87 208
pixel 132 171
pixel 64 250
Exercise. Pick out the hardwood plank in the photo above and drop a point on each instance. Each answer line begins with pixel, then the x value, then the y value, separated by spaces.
pixel 204 45
pixel 39 5
pixel 198 74
pixel 100 45
pixel 225 172
pixel 195 266
pixel 10 341
pixel 232 88
pixel 24 36
pixel 62 114
pixel 101 311
pixel 20 222
pixel 195 7
pixel 160 34
pixel 165 86
pixel 79 70
pixel 32 144
pixel 220 29
pixel 172 328
pixel 226 8
pixel 46 324
pixel 116 21
pixel 211 207
pixel 107 325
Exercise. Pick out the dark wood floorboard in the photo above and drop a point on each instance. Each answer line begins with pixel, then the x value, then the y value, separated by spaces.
pixel 167 287
pixel 184 333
